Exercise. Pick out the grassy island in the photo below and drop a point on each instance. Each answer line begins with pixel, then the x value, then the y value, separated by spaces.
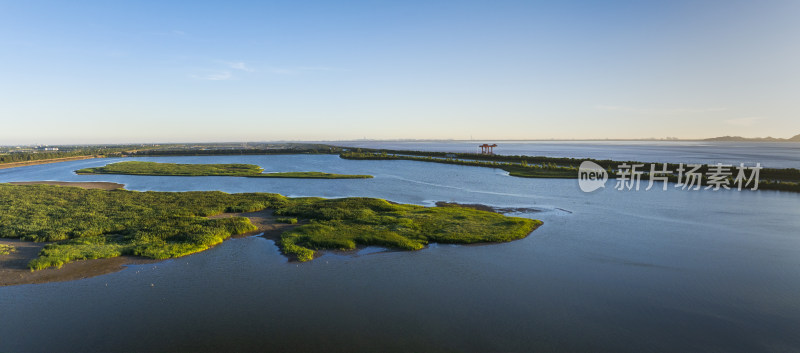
pixel 174 169
pixel 153 168
pixel 93 224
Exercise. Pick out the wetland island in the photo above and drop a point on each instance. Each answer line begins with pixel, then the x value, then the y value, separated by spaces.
pixel 91 221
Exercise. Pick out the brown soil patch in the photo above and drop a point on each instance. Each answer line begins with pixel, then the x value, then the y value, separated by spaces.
pixel 264 220
pixel 14 267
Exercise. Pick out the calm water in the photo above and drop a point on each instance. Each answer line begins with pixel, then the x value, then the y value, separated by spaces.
pixel 657 271
pixel 769 154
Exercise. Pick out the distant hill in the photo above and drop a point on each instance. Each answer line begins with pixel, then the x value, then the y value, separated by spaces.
pixel 795 138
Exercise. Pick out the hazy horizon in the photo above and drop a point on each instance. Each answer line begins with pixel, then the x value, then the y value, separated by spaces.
pixel 91 72
pixel 200 142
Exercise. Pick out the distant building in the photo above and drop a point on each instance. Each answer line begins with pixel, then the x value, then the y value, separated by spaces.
pixel 51 148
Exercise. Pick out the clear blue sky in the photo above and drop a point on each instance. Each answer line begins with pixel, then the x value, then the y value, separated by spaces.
pixel 146 71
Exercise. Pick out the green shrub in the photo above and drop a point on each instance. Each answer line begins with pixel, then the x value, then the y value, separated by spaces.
pixel 6 249
pixel 287 220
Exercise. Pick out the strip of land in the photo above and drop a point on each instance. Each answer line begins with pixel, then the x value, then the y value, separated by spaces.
pixel 495 209
pixel 174 169
pixel 42 161
pixel 237 170
pixel 310 175
pixel 102 185
pixel 782 179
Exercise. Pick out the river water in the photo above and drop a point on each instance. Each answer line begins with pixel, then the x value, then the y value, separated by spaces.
pixel 635 271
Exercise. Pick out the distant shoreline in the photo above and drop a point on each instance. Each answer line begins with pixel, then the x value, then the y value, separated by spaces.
pixel 712 139
pixel 43 161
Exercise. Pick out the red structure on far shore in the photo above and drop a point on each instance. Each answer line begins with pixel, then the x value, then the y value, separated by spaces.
pixel 487 149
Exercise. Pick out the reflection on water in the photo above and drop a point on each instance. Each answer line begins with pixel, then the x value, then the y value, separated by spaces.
pixel 608 271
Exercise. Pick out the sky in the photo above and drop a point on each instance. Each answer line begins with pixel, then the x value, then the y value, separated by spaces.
pixel 179 71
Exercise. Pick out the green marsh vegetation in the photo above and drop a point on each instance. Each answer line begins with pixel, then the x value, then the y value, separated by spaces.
pixel 347 223
pixel 238 170
pixel 6 249
pixel 93 224
pixel 286 220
